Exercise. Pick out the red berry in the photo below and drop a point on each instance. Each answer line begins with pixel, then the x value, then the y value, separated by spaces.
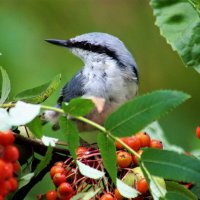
pixel 5 188
pixel 133 142
pixel 11 153
pixel 57 169
pixel 135 159
pixel 118 145
pixel 80 151
pixel 107 196
pixel 14 184
pixel 59 178
pixel 198 132
pixel 144 139
pixel 124 159
pixel 16 167
pixel 60 163
pixel 2 170
pixel 6 138
pixel 1 197
pixel 8 170
pixel 142 186
pixel 65 190
pixel 51 195
pixel 156 144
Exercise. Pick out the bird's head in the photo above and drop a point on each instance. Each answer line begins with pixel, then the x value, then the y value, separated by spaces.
pixel 99 48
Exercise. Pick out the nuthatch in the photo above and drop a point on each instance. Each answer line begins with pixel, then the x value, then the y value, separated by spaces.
pixel 109 72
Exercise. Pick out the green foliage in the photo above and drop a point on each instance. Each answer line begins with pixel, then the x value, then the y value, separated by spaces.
pixel 108 153
pixel 44 161
pixel 41 93
pixel 35 127
pixel 179 23
pixel 178 188
pixel 71 135
pixel 172 165
pixel 78 107
pixel 138 113
pixel 5 90
pixel 175 196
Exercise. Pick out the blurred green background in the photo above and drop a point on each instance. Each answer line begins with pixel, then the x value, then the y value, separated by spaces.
pixel 30 61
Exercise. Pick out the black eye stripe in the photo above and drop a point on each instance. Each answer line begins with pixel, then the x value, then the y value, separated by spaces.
pixel 93 48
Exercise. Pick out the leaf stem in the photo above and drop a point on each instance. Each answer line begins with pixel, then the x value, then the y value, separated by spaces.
pixel 85 120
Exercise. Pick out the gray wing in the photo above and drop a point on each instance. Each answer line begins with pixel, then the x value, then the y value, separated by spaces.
pixel 73 89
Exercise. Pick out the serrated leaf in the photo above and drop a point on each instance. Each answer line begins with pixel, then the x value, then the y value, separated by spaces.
pixel 41 93
pixel 179 23
pixel 138 113
pixel 79 107
pixel 35 127
pixel 23 113
pixel 108 153
pixel 125 190
pixel 5 90
pixel 85 195
pixel 176 187
pixel 171 165
pixel 89 171
pixel 45 161
pixel 71 135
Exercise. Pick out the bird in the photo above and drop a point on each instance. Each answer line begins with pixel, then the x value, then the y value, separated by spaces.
pixel 109 73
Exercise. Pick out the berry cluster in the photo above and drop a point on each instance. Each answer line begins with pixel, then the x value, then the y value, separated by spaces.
pixel 9 167
pixel 68 180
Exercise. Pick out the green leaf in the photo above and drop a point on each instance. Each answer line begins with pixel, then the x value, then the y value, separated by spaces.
pixel 138 113
pixel 175 196
pixel 5 90
pixel 85 195
pixel 45 161
pixel 79 107
pixel 171 165
pixel 25 180
pixel 89 171
pixel 178 188
pixel 179 23
pixel 108 153
pixel 35 127
pixel 196 190
pixel 71 135
pixel 40 93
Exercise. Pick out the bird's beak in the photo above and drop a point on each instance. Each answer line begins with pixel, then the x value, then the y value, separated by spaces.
pixel 57 42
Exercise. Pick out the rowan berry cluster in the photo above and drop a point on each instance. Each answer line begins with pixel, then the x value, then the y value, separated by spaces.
pixel 9 167
pixel 68 180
